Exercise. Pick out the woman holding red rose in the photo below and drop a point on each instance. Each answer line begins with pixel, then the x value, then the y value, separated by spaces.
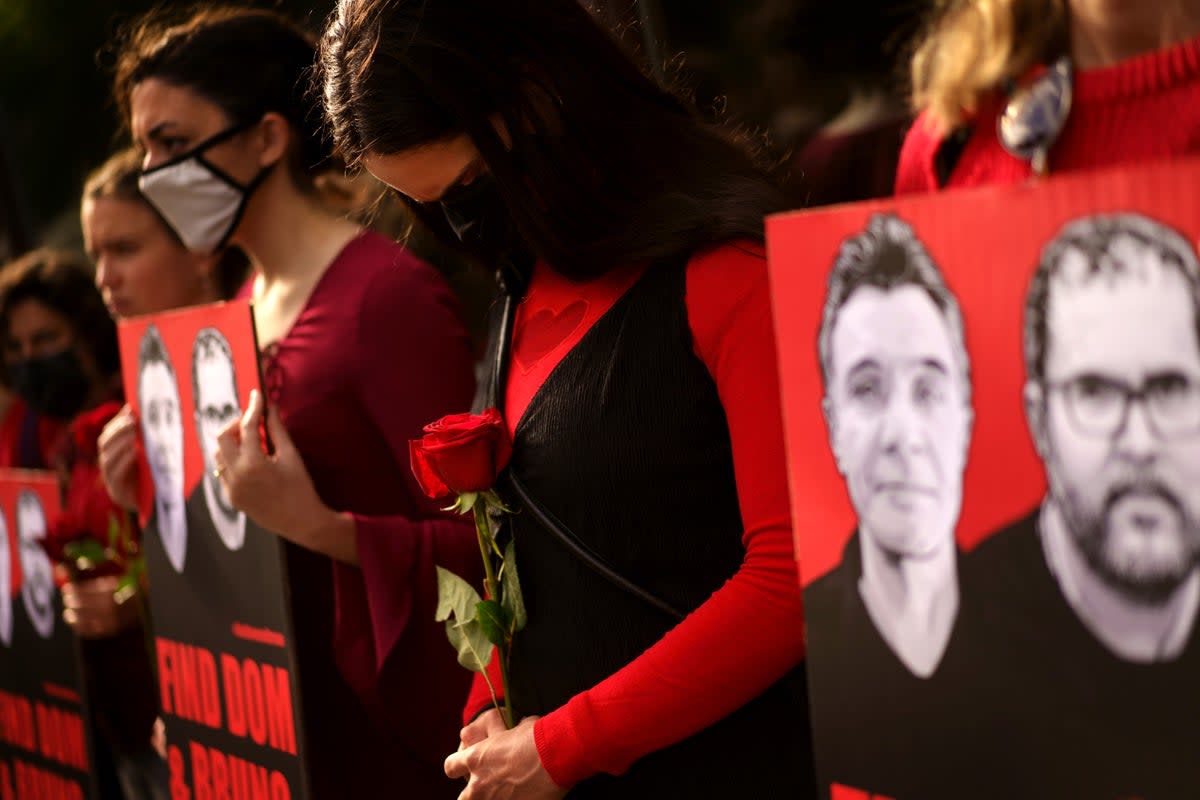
pixel 661 652
pixel 360 346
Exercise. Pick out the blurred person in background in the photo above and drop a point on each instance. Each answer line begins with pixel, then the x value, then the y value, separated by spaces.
pixel 1007 88
pixel 848 59
pixel 361 347
pixel 141 266
pixel 61 347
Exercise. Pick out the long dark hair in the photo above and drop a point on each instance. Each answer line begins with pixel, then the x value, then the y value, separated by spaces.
pixel 246 61
pixel 606 167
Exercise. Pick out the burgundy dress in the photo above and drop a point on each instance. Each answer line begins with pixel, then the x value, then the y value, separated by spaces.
pixel 377 353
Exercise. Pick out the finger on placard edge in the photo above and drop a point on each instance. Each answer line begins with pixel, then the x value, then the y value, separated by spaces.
pixel 109 432
pixel 122 441
pixel 276 429
pixel 122 424
pixel 253 416
pixel 122 462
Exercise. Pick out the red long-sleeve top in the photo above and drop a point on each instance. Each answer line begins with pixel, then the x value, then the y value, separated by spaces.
pixel 749 632
pixel 1143 108
pixel 47 437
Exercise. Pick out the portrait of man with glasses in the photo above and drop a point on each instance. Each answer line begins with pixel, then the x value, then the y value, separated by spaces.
pixel 1092 596
pixel 1113 403
pixel 215 397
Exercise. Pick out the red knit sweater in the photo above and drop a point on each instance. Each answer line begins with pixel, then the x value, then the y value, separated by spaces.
pixel 1143 108
pixel 748 634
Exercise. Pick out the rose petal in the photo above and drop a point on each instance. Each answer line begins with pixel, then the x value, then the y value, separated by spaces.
pixel 466 468
pixel 464 452
pixel 423 468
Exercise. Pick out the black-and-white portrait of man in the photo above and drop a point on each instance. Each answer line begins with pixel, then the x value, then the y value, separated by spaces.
pixel 1112 351
pixel 37 583
pixel 884 628
pixel 6 595
pixel 162 432
pixel 1087 635
pixel 898 408
pixel 214 386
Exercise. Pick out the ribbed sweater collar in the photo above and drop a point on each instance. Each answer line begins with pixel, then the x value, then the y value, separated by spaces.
pixel 1145 74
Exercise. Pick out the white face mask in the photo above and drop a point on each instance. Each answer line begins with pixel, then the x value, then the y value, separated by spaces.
pixel 200 202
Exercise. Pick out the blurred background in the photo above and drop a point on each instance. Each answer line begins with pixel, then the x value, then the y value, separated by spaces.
pixel 823 80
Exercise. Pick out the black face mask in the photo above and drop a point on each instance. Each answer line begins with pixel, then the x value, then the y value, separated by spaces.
pixel 480 219
pixel 54 386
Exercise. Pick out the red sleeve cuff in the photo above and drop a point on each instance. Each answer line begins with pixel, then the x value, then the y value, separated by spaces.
pixel 566 754
pixel 386 563
pixel 556 741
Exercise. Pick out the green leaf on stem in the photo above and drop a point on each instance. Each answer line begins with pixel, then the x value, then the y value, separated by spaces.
pixel 494 621
pixel 458 604
pixel 512 599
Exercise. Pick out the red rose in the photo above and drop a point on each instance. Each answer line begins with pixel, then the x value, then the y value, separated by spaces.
pixel 461 453
pixel 62 530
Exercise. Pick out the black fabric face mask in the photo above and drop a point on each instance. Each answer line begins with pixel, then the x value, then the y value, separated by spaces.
pixel 480 219
pixel 54 386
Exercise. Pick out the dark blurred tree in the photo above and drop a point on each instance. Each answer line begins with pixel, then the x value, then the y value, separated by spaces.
pixel 57 119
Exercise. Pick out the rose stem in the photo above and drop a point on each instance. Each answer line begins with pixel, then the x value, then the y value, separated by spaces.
pixel 483 531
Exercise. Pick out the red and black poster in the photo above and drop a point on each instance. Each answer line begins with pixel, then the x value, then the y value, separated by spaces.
pixel 992 417
pixel 45 751
pixel 218 587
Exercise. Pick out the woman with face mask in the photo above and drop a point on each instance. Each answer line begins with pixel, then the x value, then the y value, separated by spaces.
pixel 49 387
pixel 61 346
pixel 143 268
pixel 141 265
pixel 664 632
pixel 59 343
pixel 361 347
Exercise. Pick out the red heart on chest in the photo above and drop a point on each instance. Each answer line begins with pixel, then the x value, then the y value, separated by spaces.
pixel 545 330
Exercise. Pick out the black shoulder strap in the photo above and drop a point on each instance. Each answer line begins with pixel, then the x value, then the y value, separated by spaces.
pixel 490 395
pixel 578 548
